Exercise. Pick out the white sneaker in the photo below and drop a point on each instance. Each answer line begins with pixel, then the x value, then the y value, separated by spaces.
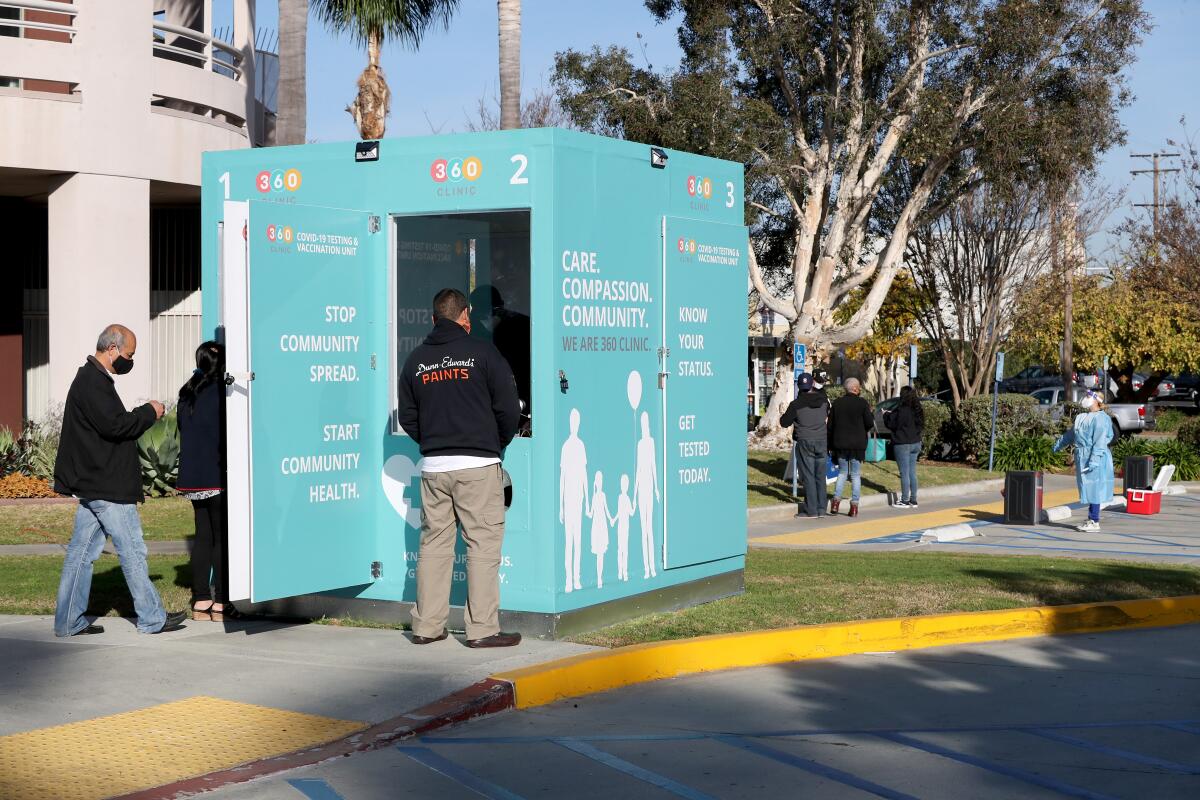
pixel 1089 526
pixel 913 504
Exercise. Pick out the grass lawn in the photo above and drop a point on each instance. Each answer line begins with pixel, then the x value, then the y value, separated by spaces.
pixel 785 588
pixel 28 584
pixel 765 485
pixel 163 518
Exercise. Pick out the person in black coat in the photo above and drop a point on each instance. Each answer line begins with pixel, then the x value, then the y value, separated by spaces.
pixel 849 421
pixel 907 422
pixel 201 416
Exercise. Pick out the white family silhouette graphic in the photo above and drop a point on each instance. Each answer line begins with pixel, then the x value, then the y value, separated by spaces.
pixel 574 501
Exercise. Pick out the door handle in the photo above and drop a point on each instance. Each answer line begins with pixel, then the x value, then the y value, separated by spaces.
pixel 233 377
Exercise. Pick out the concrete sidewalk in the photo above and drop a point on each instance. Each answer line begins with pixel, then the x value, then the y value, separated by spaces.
pixel 360 674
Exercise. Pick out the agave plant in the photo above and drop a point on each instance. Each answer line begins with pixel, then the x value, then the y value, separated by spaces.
pixel 14 457
pixel 158 451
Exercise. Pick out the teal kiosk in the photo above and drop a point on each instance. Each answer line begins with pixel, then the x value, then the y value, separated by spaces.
pixel 611 275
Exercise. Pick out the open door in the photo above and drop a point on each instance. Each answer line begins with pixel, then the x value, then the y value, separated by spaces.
pixel 704 358
pixel 302 288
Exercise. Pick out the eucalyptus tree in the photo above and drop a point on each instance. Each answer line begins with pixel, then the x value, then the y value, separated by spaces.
pixel 860 120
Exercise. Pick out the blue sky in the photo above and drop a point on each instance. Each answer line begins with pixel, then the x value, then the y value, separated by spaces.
pixel 437 88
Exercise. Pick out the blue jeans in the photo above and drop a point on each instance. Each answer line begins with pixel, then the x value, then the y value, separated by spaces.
pixel 810 463
pixel 906 459
pixel 94 520
pixel 855 468
pixel 1094 512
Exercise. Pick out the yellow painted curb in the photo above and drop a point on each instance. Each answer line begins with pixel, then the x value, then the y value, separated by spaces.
pixel 600 671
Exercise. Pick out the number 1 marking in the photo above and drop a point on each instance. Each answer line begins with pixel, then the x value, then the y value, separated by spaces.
pixel 522 163
pixel 224 179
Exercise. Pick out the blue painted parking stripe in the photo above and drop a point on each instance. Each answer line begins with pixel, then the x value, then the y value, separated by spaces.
pixel 634 771
pixel 1043 535
pixel 314 789
pixel 1000 769
pixel 814 767
pixel 460 775
pixel 1186 725
pixel 1127 755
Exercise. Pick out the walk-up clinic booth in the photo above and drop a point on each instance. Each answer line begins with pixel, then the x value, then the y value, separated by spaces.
pixel 610 274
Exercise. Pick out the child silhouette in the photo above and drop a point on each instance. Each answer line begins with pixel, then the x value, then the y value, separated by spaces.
pixel 600 522
pixel 625 512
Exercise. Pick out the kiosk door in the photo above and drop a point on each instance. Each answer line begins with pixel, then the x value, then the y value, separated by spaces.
pixel 305 407
pixel 704 335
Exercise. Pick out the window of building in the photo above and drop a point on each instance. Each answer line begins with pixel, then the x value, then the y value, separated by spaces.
pixel 484 255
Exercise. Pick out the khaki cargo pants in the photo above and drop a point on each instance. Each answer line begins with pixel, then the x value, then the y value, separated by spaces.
pixel 474 499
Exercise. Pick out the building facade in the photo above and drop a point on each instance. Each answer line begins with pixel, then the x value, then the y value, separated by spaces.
pixel 105 108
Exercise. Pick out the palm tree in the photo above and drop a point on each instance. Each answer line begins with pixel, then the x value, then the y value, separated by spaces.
pixel 371 22
pixel 292 102
pixel 510 63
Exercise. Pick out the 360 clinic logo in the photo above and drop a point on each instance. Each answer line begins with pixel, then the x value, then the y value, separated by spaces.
pixel 278 180
pixel 456 169
pixel 686 245
pixel 280 234
pixel 699 187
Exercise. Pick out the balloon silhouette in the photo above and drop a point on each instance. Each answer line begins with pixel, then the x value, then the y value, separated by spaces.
pixel 633 388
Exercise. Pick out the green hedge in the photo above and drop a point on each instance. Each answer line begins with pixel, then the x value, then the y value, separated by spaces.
pixel 938 437
pixel 1023 452
pixel 1189 432
pixel 1015 416
pixel 1182 454
pixel 833 392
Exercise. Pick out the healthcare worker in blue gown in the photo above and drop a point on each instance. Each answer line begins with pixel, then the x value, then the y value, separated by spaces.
pixel 1091 435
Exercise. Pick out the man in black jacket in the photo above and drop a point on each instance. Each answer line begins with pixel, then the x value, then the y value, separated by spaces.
pixel 458 401
pixel 850 419
pixel 809 414
pixel 98 463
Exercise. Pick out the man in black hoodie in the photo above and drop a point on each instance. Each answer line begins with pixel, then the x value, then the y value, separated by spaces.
pixel 458 401
pixel 809 414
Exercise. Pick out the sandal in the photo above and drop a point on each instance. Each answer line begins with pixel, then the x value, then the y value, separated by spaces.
pixel 226 611
pixel 205 613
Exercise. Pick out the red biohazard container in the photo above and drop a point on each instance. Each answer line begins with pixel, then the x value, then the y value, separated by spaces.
pixel 1143 501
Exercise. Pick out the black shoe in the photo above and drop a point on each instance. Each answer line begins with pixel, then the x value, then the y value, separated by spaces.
pixel 430 639
pixel 173 622
pixel 496 640
pixel 88 630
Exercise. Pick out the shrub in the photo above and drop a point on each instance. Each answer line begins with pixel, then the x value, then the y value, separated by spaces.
pixel 17 485
pixel 1183 456
pixel 41 441
pixel 1189 432
pixel 937 436
pixel 158 451
pixel 1169 420
pixel 834 392
pixel 1129 446
pixel 1015 415
pixel 1067 420
pixel 1023 452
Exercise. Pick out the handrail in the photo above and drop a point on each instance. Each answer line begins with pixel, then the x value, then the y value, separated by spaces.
pixel 65 9
pixel 208 43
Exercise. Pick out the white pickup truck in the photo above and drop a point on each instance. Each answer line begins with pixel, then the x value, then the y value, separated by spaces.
pixel 1127 418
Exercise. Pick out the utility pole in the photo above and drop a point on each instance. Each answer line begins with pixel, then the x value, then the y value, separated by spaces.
pixel 1157 171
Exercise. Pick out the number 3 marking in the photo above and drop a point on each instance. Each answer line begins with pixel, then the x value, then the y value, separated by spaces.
pixel 522 162
pixel 729 196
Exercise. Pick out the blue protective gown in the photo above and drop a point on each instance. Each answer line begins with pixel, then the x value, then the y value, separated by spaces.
pixel 1093 461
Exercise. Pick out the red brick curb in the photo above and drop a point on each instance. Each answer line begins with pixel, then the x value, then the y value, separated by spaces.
pixel 486 697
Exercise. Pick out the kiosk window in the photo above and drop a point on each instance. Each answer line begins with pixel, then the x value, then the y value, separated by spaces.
pixel 486 256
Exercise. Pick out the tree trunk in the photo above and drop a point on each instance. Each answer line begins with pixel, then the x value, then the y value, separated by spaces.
pixel 292 103
pixel 509 12
pixel 370 107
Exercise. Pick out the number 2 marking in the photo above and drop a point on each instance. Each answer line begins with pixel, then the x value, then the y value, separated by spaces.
pixel 729 196
pixel 522 162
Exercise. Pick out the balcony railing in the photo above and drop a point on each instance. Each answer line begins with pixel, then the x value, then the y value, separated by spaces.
pixel 205 51
pixel 22 22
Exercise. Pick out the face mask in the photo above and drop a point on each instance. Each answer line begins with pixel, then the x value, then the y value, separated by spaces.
pixel 122 365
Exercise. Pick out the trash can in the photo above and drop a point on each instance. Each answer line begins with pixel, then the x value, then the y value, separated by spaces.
pixel 1022 497
pixel 1139 472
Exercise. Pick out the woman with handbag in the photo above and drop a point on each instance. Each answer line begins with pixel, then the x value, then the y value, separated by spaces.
pixel 201 417
pixel 849 421
pixel 907 423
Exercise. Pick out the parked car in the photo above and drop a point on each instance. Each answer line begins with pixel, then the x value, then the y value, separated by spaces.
pixel 1032 378
pixel 1181 390
pixel 1127 418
